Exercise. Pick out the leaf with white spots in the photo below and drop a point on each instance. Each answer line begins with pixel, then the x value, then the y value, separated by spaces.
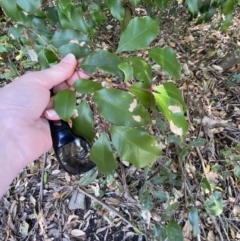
pixel 120 108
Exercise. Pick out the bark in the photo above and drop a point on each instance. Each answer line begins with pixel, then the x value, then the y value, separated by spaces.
pixel 230 59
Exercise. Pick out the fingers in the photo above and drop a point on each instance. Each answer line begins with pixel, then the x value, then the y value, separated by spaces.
pixel 54 75
pixel 51 114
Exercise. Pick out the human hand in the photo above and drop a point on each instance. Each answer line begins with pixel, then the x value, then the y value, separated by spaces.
pixel 24 103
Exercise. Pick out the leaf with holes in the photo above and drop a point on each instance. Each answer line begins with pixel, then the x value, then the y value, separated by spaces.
pixel 139 33
pixel 102 155
pixel 120 108
pixel 135 145
pixel 103 61
pixel 166 58
pixel 64 103
pixel 82 125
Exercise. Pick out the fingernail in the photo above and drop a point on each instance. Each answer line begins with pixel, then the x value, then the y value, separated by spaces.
pixel 51 113
pixel 69 59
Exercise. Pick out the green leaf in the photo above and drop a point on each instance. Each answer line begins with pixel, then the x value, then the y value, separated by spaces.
pixel 237 171
pixel 143 95
pixel 10 8
pixel 166 58
pixel 146 200
pixel 197 142
pixel 98 16
pixel 82 125
pixel 120 108
pixel 214 205
pixel 127 70
pixel 52 15
pixel 116 9
pixel 204 6
pixel 139 33
pixel 162 3
pixel 64 7
pixel 64 36
pixel 173 111
pixel 64 103
pixel 86 86
pixel 104 61
pixel 209 14
pixel 159 232
pixel 135 3
pixel 227 22
pixel 206 186
pixel 141 70
pixel 228 7
pixel 163 196
pixel 75 49
pixel 135 145
pixel 192 6
pixel 77 21
pixel 15 31
pixel 88 177
pixel 42 59
pixel 29 6
pixel 127 18
pixel 174 231
pixel 193 219
pixel 102 155
pixel 170 89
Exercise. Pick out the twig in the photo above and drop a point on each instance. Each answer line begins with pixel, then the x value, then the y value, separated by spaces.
pixel 177 43
pixel 42 183
pixel 201 159
pixel 226 234
pixel 231 138
pixel 110 209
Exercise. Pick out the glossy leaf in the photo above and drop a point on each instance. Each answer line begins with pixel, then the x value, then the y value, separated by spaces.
pixel 120 108
pixel 10 8
pixel 65 7
pixel 88 177
pixel 214 205
pixel 159 232
pixel 82 125
pixel 116 9
pixel 77 21
pixel 64 36
pixel 193 219
pixel 103 61
pixel 174 231
pixel 76 49
pixel 139 33
pixel 29 6
pixel 162 3
pixel 127 70
pixel 173 111
pixel 15 31
pixel 141 70
pixel 166 58
pixel 98 17
pixel 86 86
pixel 64 103
pixel 170 89
pixel 192 6
pixel 135 145
pixel 228 7
pixel 209 14
pixel 127 18
pixel 102 155
pixel 52 15
pixel 42 59
pixel 135 3
pixel 204 6
pixel 143 95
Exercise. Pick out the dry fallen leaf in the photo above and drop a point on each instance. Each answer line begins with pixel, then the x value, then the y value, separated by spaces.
pixel 77 233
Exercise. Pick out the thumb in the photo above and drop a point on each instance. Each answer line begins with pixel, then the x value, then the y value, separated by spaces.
pixel 56 74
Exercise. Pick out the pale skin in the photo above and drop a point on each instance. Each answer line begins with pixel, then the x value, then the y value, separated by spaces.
pixel 25 106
